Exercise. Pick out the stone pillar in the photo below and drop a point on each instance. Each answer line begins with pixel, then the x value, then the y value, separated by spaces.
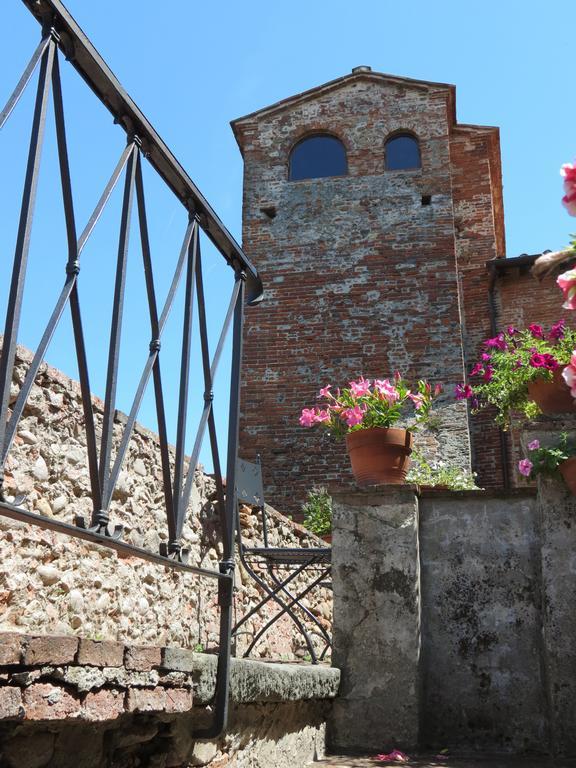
pixel 376 581
pixel 557 518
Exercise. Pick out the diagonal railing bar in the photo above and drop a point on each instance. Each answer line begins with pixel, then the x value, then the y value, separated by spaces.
pixel 209 372
pixel 72 271
pixel 184 378
pixel 100 518
pixel 24 80
pixel 156 326
pixel 14 307
pixel 86 391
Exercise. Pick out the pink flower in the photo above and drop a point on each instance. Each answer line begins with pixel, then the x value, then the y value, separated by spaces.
pixel 392 757
pixel 568 171
pixel 569 374
pixel 525 467
pixel 557 330
pixel 488 373
pixel 322 416
pixel 486 357
pixel 543 361
pixel 418 400
pixel 325 391
pixel 386 390
pixel 536 331
pixel 353 416
pixel 360 387
pixel 463 391
pixel 308 417
pixel 511 331
pixel 438 390
pixel 567 284
pixel 477 370
pixel 498 342
pixel 534 445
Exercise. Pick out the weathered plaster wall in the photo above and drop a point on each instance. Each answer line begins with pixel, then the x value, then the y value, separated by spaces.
pixel 360 276
pixel 481 623
pixel 51 583
pixel 66 702
pixel 454 620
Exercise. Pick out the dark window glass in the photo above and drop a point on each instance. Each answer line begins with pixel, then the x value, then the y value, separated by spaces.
pixel 316 157
pixel 402 152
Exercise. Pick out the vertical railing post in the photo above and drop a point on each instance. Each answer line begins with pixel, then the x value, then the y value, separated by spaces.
pixel 227 565
pixel 14 307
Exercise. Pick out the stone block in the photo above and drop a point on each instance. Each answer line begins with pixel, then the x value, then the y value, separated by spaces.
pixel 10 648
pixel 178 700
pixel 10 702
pixel 104 705
pixel 43 701
pixel 146 700
pixel 179 659
pixel 100 653
pixel 142 658
pixel 50 649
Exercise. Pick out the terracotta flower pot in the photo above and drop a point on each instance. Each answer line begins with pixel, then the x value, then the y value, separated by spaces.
pixel 552 396
pixel 568 472
pixel 379 455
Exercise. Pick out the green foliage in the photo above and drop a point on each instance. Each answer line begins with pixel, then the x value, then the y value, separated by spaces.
pixel 511 361
pixel 545 460
pixel 433 473
pixel 318 511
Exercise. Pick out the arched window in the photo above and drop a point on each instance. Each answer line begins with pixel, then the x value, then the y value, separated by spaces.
pixel 402 152
pixel 316 157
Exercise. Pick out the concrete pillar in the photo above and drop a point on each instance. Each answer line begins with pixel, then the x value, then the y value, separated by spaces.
pixel 557 518
pixel 376 581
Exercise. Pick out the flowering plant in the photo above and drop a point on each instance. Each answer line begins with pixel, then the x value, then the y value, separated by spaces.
pixel 512 360
pixel 438 473
pixel 365 404
pixel 547 460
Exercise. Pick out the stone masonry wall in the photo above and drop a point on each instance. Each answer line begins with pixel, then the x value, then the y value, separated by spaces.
pixel 360 275
pixel 68 702
pixel 50 583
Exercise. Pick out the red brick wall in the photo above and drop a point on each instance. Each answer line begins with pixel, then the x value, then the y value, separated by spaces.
pixel 474 156
pixel 360 277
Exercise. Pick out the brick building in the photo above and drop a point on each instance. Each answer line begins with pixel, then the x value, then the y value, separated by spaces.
pixel 371 213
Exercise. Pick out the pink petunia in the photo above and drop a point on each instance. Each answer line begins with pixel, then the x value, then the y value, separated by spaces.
pixel 463 391
pixel 360 387
pixel 498 342
pixel 486 357
pixel 321 416
pixel 325 391
pixel 536 330
pixel 557 330
pixel 525 467
pixel 567 284
pixel 477 370
pixel 534 445
pixel 568 171
pixel 544 360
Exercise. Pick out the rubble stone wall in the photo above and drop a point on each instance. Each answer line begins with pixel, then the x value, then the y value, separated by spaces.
pixel 53 584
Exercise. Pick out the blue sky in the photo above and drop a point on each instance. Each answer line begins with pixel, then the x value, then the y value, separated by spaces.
pixel 193 67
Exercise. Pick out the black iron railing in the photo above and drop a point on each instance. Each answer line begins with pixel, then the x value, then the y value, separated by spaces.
pixel 61 34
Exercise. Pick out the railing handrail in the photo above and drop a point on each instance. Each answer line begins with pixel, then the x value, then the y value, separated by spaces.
pixel 93 69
